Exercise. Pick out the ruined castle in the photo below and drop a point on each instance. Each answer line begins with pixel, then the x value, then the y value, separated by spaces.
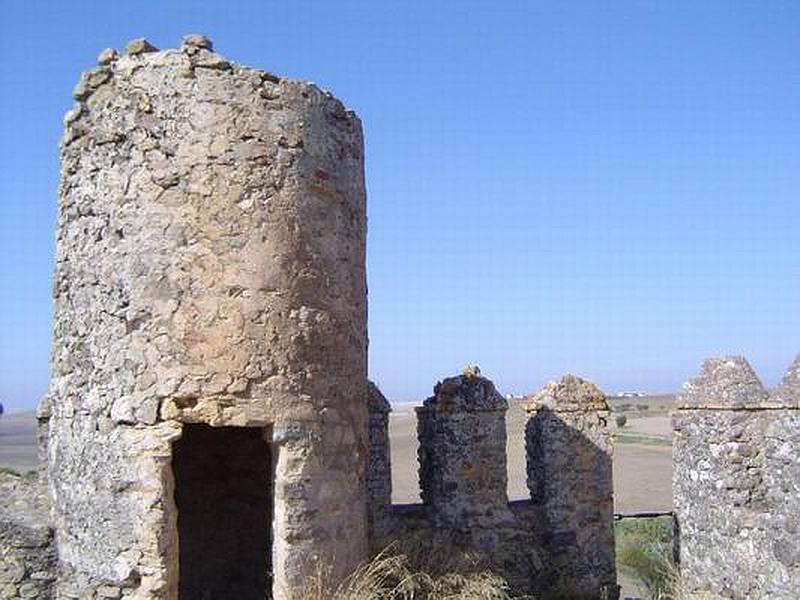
pixel 210 432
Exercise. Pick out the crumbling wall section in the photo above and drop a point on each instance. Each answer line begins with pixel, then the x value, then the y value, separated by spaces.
pixel 569 452
pixel 736 482
pixel 462 453
pixel 27 553
pixel 379 464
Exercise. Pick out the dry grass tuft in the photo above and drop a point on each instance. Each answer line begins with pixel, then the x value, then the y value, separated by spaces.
pixel 675 589
pixel 420 567
pixel 644 551
pixel 385 577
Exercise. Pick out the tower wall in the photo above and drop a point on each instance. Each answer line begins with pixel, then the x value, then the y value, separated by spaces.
pixel 209 269
pixel 736 482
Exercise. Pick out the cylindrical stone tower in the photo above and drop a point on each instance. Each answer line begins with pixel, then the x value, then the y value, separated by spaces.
pixel 462 453
pixel 569 452
pixel 208 425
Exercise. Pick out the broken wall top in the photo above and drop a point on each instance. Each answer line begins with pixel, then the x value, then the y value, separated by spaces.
pixel 468 392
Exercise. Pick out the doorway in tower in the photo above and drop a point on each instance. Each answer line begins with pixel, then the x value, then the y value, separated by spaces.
pixel 223 493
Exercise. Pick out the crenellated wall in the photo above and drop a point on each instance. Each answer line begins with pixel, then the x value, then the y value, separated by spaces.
pixel 736 482
pixel 558 544
pixel 209 429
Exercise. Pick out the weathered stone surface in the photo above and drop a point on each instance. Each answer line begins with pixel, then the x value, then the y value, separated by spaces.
pixel 27 555
pixel 736 484
pixel 788 393
pixel 197 40
pixel 89 82
pixel 725 382
pixel 107 56
pixel 468 392
pixel 567 394
pixel 379 464
pixel 209 269
pixel 462 456
pixel 569 452
pixel 139 46
pixel 462 453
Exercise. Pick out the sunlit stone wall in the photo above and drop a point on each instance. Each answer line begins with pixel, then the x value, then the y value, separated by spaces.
pixel 736 482
pixel 209 269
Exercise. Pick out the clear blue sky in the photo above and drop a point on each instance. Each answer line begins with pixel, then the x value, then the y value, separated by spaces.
pixel 610 189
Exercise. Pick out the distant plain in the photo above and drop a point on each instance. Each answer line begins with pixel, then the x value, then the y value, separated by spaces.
pixel 642 455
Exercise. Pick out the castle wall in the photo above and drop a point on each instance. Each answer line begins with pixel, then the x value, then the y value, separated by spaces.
pixel 736 482
pixel 558 544
pixel 209 269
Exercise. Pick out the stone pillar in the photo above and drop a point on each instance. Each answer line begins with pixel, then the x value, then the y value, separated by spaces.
pixel 379 465
pixel 569 451
pixel 209 270
pixel 736 482
pixel 462 453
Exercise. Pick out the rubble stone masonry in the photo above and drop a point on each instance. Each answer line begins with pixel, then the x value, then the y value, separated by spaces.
pixel 209 273
pixel 27 554
pixel 736 482
pixel 209 430
pixel 570 447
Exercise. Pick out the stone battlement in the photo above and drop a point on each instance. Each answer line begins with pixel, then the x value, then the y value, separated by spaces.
pixel 558 543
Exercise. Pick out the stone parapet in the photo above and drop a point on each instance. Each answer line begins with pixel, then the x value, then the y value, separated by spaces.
pixel 462 453
pixel 379 464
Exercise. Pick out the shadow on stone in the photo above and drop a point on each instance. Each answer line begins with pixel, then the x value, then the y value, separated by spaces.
pixel 223 491
pixel 569 450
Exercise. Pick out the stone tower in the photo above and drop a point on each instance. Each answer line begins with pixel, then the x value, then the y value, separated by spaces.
pixel 207 419
pixel 736 482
